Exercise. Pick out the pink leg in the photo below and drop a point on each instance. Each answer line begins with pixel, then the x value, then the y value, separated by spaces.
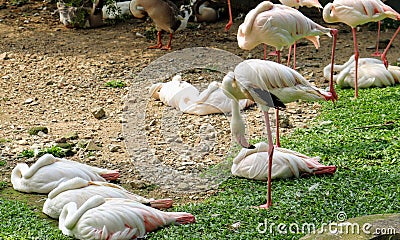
pixel 377 53
pixel 331 84
pixel 270 155
pixel 288 57
pixel 265 51
pixel 278 142
pixel 387 48
pixel 356 55
pixel 278 56
pixel 294 55
pixel 229 24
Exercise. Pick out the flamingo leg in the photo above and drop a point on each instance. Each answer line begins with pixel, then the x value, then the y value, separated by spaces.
pixel 159 43
pixel 356 55
pixel 334 33
pixel 270 155
pixel 294 55
pixel 229 24
pixel 168 47
pixel 377 53
pixel 278 142
pixel 387 48
pixel 288 57
pixel 265 51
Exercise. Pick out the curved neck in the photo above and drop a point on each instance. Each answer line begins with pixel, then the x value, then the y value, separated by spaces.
pixel 45 160
pixel 74 183
pixel 327 13
pixel 72 214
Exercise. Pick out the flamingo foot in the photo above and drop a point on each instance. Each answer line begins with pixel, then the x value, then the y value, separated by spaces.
pixel 266 206
pixel 228 26
pixel 376 54
pixel 185 219
pixel 166 48
pixel 384 60
pixel 161 203
pixel 110 176
pixel 273 53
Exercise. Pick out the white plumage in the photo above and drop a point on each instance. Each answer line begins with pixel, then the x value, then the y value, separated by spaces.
pixel 186 98
pixel 48 172
pixel 79 190
pixel 301 3
pixel 253 164
pixel 278 26
pixel 371 73
pixel 121 7
pixel 115 218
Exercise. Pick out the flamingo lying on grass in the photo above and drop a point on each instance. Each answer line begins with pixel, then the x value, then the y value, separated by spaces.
pixel 355 13
pixel 371 73
pixel 79 190
pixel 48 172
pixel 252 164
pixel 115 218
pixel 269 84
pixel 281 26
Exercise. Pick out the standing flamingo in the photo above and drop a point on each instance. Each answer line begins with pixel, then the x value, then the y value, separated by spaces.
pixel 355 13
pixel 269 84
pixel 281 26
pixel 115 218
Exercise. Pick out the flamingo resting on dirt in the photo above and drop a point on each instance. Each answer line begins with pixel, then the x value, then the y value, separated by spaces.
pixel 281 26
pixel 48 172
pixel 355 13
pixel 115 218
pixel 371 73
pixel 269 84
pixel 79 190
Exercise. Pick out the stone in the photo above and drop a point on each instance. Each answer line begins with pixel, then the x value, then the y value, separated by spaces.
pixel 98 113
pixel 91 146
pixel 36 130
pixel 114 147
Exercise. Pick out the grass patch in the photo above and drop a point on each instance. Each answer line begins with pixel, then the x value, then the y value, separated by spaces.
pixel 359 136
pixel 116 84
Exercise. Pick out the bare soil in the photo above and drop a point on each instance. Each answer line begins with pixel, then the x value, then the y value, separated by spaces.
pixel 55 77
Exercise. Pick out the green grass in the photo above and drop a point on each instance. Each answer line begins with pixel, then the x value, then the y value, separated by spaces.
pixel 116 84
pixel 360 137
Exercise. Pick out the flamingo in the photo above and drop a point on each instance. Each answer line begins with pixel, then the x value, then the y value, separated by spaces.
pixel 48 172
pixel 250 163
pixel 115 218
pixel 166 16
pixel 279 26
pixel 301 3
pixel 355 13
pixel 186 98
pixel 372 73
pixel 269 84
pixel 79 190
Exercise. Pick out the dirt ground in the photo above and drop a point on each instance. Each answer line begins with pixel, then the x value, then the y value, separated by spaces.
pixel 55 77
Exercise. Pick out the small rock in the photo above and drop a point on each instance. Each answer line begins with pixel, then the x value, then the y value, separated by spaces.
pixel 71 136
pixel 36 130
pixel 98 113
pixel 28 101
pixel 139 184
pixel 4 56
pixel 114 148
pixel 91 146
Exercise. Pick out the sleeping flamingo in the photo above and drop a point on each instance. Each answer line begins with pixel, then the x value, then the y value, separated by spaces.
pixel 371 73
pixel 269 84
pixel 281 26
pixel 252 164
pixel 79 190
pixel 355 13
pixel 301 3
pixel 48 172
pixel 115 218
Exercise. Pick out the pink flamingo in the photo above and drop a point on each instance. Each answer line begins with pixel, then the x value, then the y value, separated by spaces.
pixel 301 3
pixel 281 26
pixel 269 84
pixel 355 13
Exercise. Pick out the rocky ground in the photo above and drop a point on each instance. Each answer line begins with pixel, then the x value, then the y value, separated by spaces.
pixel 59 78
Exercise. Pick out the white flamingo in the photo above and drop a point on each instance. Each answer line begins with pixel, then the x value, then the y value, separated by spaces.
pixel 371 73
pixel 48 172
pixel 115 218
pixel 281 26
pixel 269 84
pixel 79 190
pixel 252 164
pixel 186 98
pixel 355 13
pixel 301 3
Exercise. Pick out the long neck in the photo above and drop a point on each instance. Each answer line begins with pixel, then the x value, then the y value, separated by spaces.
pixel 74 183
pixel 41 162
pixel 72 214
pixel 327 14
